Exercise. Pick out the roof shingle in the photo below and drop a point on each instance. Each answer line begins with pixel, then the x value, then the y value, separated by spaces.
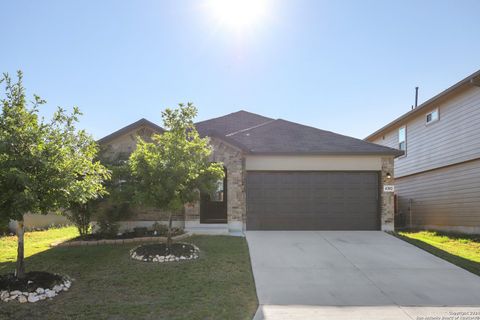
pixel 285 137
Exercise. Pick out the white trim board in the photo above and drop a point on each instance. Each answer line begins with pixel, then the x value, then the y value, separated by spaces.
pixel 317 163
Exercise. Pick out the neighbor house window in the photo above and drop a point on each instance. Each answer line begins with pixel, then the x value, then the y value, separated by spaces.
pixel 432 116
pixel 402 138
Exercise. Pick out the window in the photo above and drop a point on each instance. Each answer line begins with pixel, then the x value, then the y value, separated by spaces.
pixel 432 116
pixel 217 194
pixel 402 138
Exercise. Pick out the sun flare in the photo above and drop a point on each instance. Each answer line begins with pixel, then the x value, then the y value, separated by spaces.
pixel 238 14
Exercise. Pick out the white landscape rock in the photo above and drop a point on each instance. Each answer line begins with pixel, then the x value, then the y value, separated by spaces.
pixel 22 299
pixel 50 293
pixel 40 290
pixel 33 298
pixel 193 254
pixel 15 293
pixel 4 295
pixel 57 288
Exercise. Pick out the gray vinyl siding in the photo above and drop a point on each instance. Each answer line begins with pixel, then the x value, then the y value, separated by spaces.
pixel 439 177
pixel 447 197
pixel 454 138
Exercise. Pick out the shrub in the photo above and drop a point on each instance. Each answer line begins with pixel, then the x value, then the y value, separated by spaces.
pixel 140 231
pixel 159 228
pixel 109 218
pixel 80 215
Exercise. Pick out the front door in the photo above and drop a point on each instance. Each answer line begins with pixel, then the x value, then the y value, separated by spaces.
pixel 213 207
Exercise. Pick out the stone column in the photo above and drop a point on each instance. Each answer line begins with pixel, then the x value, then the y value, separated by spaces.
pixel 387 199
pixel 236 199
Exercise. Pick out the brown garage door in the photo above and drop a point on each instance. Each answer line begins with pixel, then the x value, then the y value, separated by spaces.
pixel 319 200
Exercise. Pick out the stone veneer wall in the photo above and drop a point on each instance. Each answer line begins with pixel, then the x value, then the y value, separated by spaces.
pixel 387 199
pixel 124 145
pixel 121 147
pixel 233 159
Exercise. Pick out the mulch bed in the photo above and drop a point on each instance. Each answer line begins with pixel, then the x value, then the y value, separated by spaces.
pixel 159 252
pixel 32 281
pixel 36 286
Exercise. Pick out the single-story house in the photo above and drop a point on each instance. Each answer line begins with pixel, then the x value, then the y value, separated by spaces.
pixel 280 175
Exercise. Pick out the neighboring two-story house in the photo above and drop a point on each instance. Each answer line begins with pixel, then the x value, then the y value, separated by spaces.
pixel 437 180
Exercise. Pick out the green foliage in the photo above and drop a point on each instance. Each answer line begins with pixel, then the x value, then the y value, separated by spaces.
pixel 170 170
pixel 80 215
pixel 44 166
pixel 108 218
pixel 117 205
pixel 4 229
pixel 120 187
pixel 159 228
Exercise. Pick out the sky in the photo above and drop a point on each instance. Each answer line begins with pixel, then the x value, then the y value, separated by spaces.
pixel 345 66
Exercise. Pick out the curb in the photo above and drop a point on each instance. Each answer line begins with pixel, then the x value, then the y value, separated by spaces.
pixel 80 243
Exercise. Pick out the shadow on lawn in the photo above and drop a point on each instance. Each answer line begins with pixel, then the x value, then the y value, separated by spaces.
pixel 469 265
pixel 54 259
pixel 31 262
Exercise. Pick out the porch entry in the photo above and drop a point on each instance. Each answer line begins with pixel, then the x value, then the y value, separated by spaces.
pixel 213 206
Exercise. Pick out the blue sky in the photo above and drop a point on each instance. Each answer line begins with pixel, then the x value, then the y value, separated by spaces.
pixel 344 66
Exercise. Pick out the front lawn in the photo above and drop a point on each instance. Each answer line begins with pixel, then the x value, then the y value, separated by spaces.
pixel 110 285
pixel 462 250
pixel 35 242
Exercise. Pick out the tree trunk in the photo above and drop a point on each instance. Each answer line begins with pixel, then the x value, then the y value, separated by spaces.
pixel 20 268
pixel 169 232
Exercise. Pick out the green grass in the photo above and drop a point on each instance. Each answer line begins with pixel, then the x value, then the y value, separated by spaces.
pixel 110 285
pixel 35 242
pixel 459 249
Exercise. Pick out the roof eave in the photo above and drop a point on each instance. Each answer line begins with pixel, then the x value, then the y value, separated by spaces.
pixel 128 128
pixel 472 79
pixel 394 153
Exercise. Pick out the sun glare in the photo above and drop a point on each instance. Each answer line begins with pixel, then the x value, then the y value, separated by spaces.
pixel 238 14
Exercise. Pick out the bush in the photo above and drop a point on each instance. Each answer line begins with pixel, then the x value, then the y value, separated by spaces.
pixel 140 231
pixel 160 228
pixel 109 218
pixel 80 215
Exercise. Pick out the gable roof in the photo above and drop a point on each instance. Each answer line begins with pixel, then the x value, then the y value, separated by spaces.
pixel 473 79
pixel 137 124
pixel 256 134
pixel 231 123
pixel 289 138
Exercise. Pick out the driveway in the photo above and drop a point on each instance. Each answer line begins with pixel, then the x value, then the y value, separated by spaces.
pixel 355 275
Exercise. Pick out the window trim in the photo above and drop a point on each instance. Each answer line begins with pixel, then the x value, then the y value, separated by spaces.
pixel 404 141
pixel 427 123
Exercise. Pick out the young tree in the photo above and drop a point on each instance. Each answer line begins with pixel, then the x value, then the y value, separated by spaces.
pixel 44 166
pixel 80 214
pixel 170 170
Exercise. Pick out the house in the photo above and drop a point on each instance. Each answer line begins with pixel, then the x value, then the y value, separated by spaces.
pixel 437 180
pixel 280 175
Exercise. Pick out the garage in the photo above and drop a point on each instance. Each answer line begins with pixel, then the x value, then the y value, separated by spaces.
pixel 312 200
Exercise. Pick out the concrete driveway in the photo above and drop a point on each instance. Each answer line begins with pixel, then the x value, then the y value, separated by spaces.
pixel 355 275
